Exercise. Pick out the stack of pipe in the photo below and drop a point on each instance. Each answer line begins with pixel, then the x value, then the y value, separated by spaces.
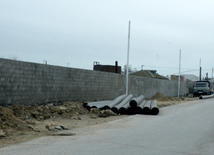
pixel 99 104
pixel 115 102
pixel 136 101
pixel 127 105
pixel 123 109
pixel 154 107
pixel 116 108
pixel 139 108
pixel 146 108
pixel 132 109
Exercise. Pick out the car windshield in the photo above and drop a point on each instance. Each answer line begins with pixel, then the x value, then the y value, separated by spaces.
pixel 201 85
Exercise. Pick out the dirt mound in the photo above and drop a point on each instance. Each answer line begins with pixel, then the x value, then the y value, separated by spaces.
pixel 42 112
pixel 161 97
pixel 158 96
pixel 17 117
pixel 8 121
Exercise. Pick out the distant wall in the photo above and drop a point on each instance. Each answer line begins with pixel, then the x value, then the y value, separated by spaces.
pixel 31 83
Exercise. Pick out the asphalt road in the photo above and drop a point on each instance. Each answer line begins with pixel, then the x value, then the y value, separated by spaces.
pixel 183 129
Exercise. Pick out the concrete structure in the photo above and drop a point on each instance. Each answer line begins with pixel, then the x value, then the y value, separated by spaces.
pixel 31 83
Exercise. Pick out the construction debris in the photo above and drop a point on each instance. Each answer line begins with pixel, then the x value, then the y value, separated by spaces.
pixel 106 113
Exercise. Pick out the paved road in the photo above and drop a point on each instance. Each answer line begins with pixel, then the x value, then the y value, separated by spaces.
pixel 184 129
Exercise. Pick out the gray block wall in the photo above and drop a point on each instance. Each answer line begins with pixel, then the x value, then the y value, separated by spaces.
pixel 31 83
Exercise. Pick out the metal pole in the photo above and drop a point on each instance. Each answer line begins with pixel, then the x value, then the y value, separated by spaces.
pixel 212 73
pixel 200 70
pixel 127 65
pixel 179 77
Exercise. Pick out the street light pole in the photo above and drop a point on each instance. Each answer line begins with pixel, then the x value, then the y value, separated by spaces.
pixel 127 65
pixel 212 73
pixel 179 77
pixel 200 70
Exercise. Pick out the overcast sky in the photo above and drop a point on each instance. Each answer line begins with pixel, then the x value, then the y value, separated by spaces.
pixel 79 32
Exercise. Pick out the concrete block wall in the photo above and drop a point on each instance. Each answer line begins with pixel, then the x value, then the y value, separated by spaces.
pixel 31 83
pixel 150 86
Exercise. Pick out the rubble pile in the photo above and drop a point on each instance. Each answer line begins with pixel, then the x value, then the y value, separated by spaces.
pixel 20 117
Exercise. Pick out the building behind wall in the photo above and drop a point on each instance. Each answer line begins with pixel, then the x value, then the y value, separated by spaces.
pixel 149 74
pixel 176 77
pixel 190 80
pixel 107 68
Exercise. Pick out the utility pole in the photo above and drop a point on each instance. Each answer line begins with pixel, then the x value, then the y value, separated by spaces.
pixel 200 70
pixel 212 73
pixel 179 77
pixel 127 65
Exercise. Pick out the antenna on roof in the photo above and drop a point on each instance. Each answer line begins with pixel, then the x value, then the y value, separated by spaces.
pixel 142 67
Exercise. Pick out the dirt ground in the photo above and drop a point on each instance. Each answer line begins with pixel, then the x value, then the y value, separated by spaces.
pixel 20 123
pixel 163 101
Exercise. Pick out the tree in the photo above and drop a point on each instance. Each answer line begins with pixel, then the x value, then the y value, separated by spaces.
pixel 130 69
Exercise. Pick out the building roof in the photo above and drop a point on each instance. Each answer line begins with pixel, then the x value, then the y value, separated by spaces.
pixel 191 77
pixel 149 73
